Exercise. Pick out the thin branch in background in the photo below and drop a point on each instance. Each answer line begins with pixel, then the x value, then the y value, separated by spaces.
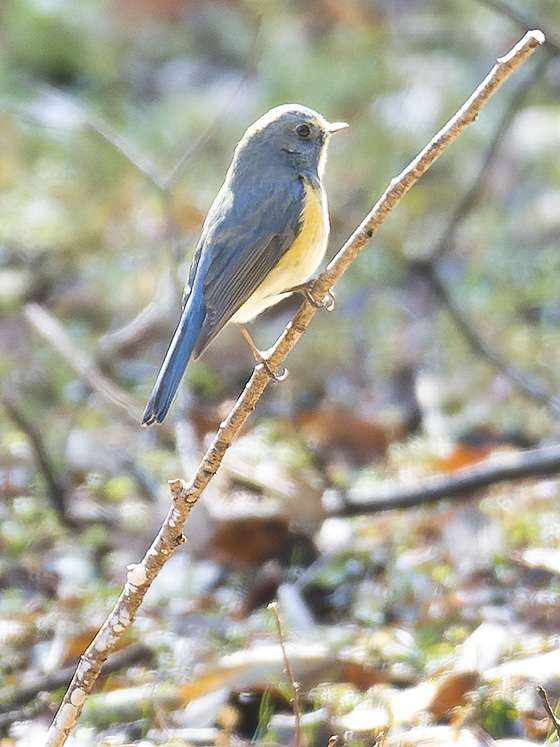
pixel 174 243
pixel 11 697
pixel 161 182
pixel 273 607
pixel 56 486
pixel 523 20
pixel 54 332
pixel 467 203
pixel 529 385
pixel 98 126
pixel 203 139
pixel 525 383
pixel 140 162
pixel 27 702
pixel 150 322
pixel 541 692
pixel 461 483
pixel 185 495
pixel 49 327
pixel 400 185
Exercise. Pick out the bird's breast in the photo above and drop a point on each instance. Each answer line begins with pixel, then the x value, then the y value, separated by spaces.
pixel 301 260
pixel 308 250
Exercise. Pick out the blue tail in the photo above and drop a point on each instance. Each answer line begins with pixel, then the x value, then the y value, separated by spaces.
pixel 175 361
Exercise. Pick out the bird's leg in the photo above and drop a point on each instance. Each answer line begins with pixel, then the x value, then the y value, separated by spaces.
pixel 259 357
pixel 256 352
pixel 305 289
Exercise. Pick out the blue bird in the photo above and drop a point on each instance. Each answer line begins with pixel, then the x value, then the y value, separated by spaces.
pixel 265 234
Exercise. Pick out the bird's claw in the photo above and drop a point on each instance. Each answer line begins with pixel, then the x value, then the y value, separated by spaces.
pixel 329 301
pixel 306 290
pixel 278 375
pixel 281 374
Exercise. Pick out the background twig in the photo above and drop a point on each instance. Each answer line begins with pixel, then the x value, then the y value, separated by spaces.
pixel 548 708
pixel 54 332
pixel 523 20
pixel 273 606
pixel 469 199
pixel 54 480
pixel 461 483
pixel 529 385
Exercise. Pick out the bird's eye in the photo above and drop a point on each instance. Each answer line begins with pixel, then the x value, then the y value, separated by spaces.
pixel 303 131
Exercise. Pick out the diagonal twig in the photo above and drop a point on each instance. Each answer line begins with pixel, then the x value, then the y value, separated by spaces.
pixel 185 494
pixel 11 697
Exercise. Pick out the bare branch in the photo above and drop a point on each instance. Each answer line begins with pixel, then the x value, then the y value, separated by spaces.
pixel 401 184
pixel 124 146
pixel 153 320
pixel 98 126
pixel 458 484
pixel 186 494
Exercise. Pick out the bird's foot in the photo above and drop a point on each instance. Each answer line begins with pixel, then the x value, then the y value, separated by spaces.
pixel 306 290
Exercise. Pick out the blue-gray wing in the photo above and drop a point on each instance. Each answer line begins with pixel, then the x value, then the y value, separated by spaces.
pixel 242 241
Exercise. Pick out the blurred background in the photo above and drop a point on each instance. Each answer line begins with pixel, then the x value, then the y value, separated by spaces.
pixel 118 120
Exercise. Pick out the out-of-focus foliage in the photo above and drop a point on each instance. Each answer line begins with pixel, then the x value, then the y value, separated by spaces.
pixel 117 122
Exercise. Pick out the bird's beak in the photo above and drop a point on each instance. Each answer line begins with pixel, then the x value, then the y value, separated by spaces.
pixel 336 126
